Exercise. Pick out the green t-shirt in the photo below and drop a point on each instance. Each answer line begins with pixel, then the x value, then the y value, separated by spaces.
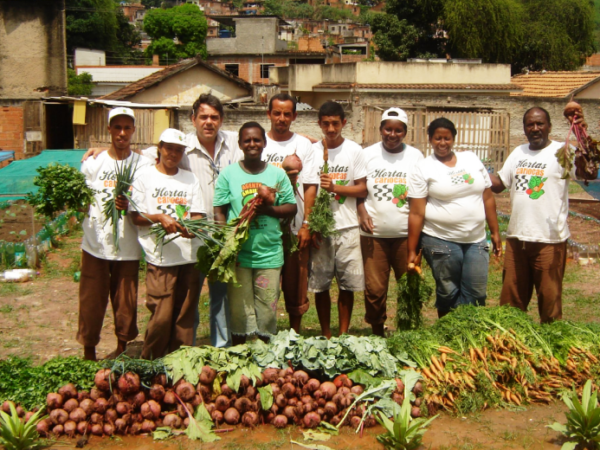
pixel 235 187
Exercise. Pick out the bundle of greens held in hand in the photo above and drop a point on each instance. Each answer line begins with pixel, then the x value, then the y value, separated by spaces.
pixel 321 219
pixel 60 187
pixel 413 293
pixel 124 175
pixel 218 262
pixel 587 152
pixel 199 228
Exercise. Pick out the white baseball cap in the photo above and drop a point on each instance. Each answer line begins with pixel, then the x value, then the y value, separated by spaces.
pixel 173 136
pixel 120 111
pixel 395 114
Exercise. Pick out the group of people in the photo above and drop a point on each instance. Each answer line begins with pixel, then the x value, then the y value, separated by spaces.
pixel 390 204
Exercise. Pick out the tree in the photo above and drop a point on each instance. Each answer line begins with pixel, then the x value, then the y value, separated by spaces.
pixel 91 24
pixel 79 85
pixel 176 33
pixel 395 39
pixel 128 38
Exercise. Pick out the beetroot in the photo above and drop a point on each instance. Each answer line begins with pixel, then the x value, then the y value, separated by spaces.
pixel 418 389
pixel 288 389
pixel 120 426
pixel 301 377
pixel 108 429
pixel 226 390
pixel 123 408
pixel 415 411
pixel 276 389
pixel 318 394
pixel 292 163
pixel 280 421
pixel 417 402
pixel 101 405
pixel 222 403
pixel 342 380
pixel 285 372
pixel 150 410
pixel 6 405
pixel 293 401
pixel 250 392
pixel 207 375
pixel 138 399
pixel 355 421
pixel 183 411
pixel 172 420
pixel 204 391
pixel 87 405
pixel 43 427
pixel 148 426
pixel 169 398
pixel 129 383
pixel 344 390
pixel 68 391
pixel 28 416
pixel 97 429
pixel 274 408
pixel 161 379
pixel 82 427
pixel 321 402
pixel 96 418
pixel 399 385
pixel 196 400
pixel 20 411
pixel 217 416
pixel 267 194
pixel 157 392
pixel 250 419
pixel 52 400
pixel 242 404
pixel 270 375
pixel 357 389
pixel 95 394
pixel 311 420
pixel 290 413
pixel 70 405
pixel 77 415
pixel 232 416
pixel 244 382
pixel 210 407
pixel 330 408
pixel 59 416
pixel 398 398
pixel 70 428
pixel 110 415
pixel 104 379
pixel 82 395
pixel 185 391
pixel 186 422
pixel 281 401
pixel 136 427
pixel 58 430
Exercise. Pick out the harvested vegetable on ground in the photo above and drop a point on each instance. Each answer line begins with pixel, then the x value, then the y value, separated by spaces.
pixel 124 175
pixel 321 219
pixel 218 261
pixel 413 292
pixel 61 187
pixel 587 153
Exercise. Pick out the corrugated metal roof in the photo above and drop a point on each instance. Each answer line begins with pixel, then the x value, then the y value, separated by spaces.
pixel 553 84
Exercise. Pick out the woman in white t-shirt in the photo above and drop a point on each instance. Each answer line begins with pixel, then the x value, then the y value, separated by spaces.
pixel 172 281
pixel 383 215
pixel 450 200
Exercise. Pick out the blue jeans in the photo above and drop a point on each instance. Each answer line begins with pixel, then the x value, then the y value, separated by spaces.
pixel 460 271
pixel 220 334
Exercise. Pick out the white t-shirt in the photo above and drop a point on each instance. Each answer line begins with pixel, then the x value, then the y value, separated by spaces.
pixel 539 198
pixel 97 231
pixel 454 210
pixel 346 164
pixel 387 179
pixel 157 193
pixel 275 152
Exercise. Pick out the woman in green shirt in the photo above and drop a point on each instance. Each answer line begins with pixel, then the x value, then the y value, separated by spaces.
pixel 253 302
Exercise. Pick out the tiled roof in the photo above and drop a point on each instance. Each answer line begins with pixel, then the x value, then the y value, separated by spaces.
pixel 157 77
pixel 553 84
pixel 423 87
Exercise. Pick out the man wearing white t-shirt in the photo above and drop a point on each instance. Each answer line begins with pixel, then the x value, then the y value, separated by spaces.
pixel 536 245
pixel 339 256
pixel 109 270
pixel 281 142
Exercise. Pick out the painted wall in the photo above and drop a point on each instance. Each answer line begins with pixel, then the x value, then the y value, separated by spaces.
pixel 591 92
pixel 184 88
pixel 33 61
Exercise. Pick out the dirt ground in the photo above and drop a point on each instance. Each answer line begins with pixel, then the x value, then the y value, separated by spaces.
pixel 38 319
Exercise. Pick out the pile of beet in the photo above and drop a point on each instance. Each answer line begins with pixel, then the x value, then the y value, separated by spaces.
pixel 122 405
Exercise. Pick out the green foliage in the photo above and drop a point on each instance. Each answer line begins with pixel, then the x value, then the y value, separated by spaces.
pixel 186 23
pixel 321 216
pixel 16 435
pixel 79 85
pixel 396 39
pixel 413 293
pixel 28 385
pixel 404 433
pixel 91 24
pixel 60 187
pixel 583 420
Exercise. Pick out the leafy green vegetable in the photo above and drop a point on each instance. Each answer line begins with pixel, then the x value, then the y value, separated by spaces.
pixel 200 427
pixel 266 397
pixel 60 187
pixel 28 385
pixel 413 292
pixel 16 435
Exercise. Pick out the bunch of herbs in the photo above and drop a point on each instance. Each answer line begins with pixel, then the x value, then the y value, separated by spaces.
pixel 321 220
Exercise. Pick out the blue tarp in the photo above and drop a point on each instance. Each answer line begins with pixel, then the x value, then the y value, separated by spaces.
pixel 16 179
pixel 593 188
pixel 6 154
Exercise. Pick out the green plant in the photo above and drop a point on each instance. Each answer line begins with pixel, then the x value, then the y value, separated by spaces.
pixel 16 435
pixel 583 420
pixel 404 433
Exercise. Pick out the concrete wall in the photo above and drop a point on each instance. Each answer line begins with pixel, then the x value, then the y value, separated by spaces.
pixel 591 92
pixel 184 88
pixel 253 36
pixel 32 49
pixel 249 66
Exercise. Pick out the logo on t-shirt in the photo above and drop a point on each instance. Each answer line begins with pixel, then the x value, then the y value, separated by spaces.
pixel 529 177
pixel 249 191
pixel 462 178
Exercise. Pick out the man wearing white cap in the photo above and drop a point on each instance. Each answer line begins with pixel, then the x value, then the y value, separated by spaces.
pixel 383 215
pixel 172 283
pixel 107 271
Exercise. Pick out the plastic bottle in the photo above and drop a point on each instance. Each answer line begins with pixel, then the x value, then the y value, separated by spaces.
pixel 20 257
